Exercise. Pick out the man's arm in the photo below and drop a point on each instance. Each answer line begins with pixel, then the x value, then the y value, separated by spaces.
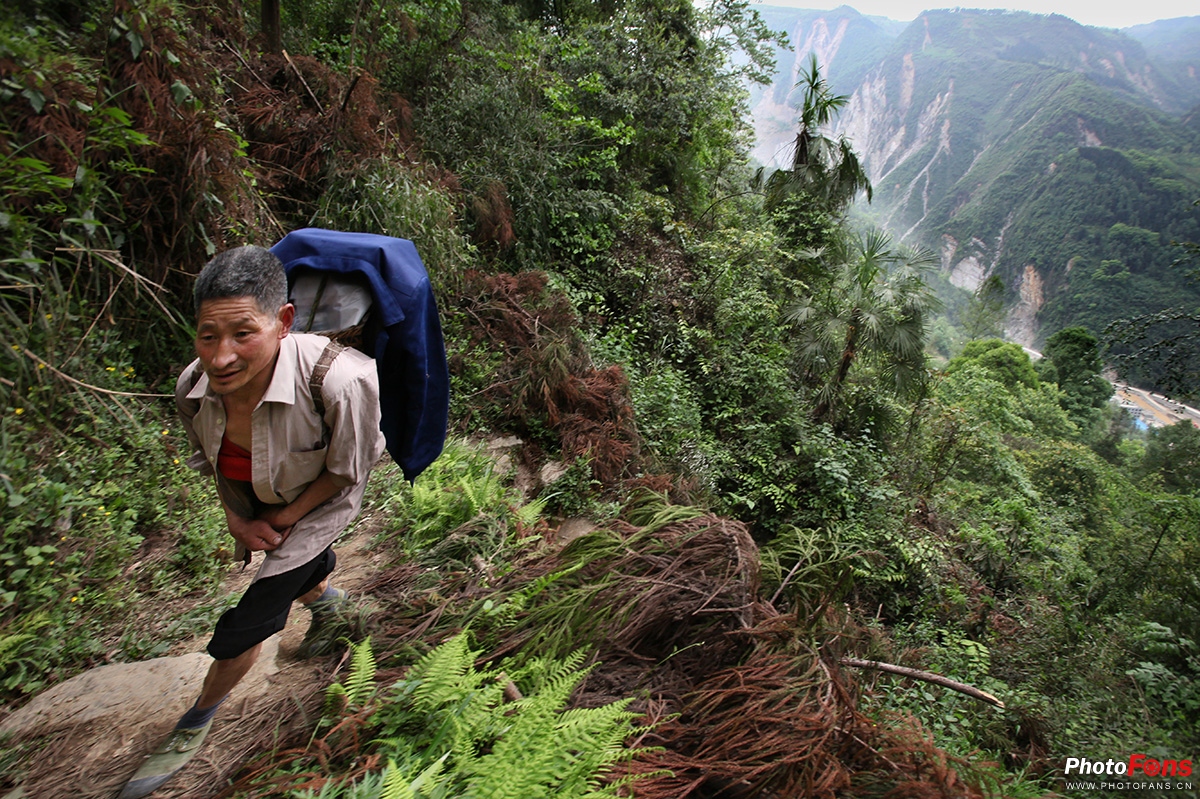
pixel 272 526
pixel 282 518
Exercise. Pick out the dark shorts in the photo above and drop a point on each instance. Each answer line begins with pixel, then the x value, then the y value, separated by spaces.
pixel 263 609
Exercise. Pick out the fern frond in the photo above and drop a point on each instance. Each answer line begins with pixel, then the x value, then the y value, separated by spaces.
pixel 395 783
pixel 530 512
pixel 440 675
pixel 360 683
pixel 10 644
pixel 429 777
pixel 546 752
pixel 335 700
pixel 448 716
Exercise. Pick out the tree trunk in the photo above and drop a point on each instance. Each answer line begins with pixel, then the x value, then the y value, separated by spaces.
pixel 271 26
pixel 849 353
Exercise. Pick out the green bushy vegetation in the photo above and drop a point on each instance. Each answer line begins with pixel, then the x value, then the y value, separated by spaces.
pixel 90 464
pixel 450 728
pixel 91 528
pixel 620 291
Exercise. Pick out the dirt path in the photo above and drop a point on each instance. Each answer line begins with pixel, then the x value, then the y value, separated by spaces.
pixel 92 757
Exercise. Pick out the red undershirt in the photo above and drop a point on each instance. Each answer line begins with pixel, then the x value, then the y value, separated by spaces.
pixel 233 461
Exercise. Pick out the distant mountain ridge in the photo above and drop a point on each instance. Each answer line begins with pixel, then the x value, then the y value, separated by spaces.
pixel 1016 144
pixel 847 45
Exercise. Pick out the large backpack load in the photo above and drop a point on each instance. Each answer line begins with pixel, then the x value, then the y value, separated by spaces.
pixel 372 292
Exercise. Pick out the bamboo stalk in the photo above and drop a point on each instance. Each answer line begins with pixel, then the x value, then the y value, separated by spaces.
pixel 926 676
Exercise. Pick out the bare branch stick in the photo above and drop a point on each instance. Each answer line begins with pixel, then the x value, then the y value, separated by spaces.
pixel 113 257
pixel 292 64
pixel 247 66
pixel 89 386
pixel 99 316
pixel 786 580
pixel 926 676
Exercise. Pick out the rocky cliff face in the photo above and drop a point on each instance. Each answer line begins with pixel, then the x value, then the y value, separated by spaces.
pixel 846 45
pixel 965 119
pixel 999 139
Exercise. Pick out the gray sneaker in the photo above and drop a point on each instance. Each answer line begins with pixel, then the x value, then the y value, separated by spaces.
pixel 172 754
pixel 324 630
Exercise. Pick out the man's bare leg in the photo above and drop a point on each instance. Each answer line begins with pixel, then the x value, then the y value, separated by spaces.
pixel 223 675
pixel 189 733
pixel 325 602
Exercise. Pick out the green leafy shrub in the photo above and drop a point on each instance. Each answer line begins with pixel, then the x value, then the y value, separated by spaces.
pixel 1171 678
pixel 76 512
pixel 459 508
pixel 670 421
pixel 390 199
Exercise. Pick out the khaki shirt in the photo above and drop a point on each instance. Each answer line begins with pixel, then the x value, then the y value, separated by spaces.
pixel 291 445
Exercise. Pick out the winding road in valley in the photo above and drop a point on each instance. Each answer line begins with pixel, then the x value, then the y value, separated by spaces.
pixel 1154 409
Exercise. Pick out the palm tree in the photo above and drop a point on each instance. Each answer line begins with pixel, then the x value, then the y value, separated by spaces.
pixel 824 168
pixel 875 308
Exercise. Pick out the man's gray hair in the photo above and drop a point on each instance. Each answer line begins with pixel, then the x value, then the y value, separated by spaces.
pixel 248 271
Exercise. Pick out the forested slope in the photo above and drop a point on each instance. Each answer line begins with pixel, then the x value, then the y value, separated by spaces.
pixel 1055 156
pixel 731 381
pixel 1027 147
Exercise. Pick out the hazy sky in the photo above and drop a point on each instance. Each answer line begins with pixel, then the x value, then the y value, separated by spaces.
pixel 1103 13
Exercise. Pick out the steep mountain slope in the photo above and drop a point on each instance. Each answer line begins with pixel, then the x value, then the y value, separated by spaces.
pixel 1174 44
pixel 847 45
pixel 1025 145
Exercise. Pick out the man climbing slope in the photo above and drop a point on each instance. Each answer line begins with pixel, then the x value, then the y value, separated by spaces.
pixel 290 479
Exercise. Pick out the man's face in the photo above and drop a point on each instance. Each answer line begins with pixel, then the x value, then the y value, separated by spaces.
pixel 237 343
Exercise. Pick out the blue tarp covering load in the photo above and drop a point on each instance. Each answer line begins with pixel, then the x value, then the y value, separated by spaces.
pixel 405 337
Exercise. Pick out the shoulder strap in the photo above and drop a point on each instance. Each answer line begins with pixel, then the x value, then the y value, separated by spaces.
pixel 194 376
pixel 317 379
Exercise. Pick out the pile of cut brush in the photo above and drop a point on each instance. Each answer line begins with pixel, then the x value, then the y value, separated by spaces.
pixel 737 702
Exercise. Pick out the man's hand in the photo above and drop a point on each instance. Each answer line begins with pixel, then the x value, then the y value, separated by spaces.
pixel 255 535
pixel 282 518
pixel 279 517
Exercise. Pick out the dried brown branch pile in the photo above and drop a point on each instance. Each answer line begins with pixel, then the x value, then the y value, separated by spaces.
pixel 647 594
pixel 740 707
pixel 298 116
pixel 194 184
pixel 545 372
pixel 782 725
pixel 191 186
pixel 672 609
